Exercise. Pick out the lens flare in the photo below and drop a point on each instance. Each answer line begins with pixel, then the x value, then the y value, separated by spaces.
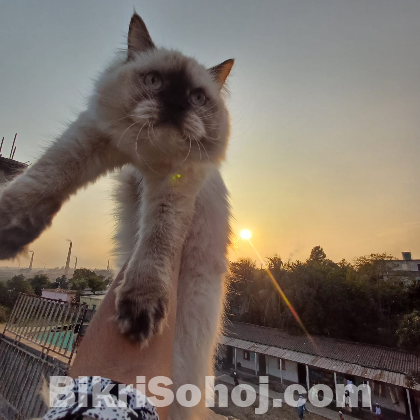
pixel 246 234
pixel 280 291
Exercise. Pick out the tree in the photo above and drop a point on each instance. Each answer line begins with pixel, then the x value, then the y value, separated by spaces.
pixel 275 264
pixel 84 278
pixel 241 285
pixel 362 301
pixel 409 332
pixel 3 314
pixel 39 282
pixel 374 267
pixel 317 254
pixel 61 283
pixel 16 285
pixel 4 294
pixel 243 270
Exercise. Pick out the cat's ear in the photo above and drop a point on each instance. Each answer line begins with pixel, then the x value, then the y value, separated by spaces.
pixel 221 72
pixel 139 39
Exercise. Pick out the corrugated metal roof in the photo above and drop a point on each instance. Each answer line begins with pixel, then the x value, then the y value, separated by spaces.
pixel 392 378
pixel 362 360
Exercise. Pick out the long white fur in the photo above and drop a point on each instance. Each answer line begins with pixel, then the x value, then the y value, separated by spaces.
pixel 201 286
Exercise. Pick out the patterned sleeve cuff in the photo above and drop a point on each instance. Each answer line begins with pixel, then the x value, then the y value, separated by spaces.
pixel 100 398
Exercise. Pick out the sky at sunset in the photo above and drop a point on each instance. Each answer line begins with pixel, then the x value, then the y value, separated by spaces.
pixel 325 110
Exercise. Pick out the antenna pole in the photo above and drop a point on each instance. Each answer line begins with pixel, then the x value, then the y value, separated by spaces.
pixel 1 146
pixel 13 145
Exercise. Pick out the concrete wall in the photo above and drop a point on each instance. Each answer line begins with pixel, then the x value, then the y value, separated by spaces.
pixel 291 372
pixel 93 302
pixel 248 364
pixel 411 265
pixel 64 296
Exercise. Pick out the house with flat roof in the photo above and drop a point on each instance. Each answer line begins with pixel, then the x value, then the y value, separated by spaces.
pixel 309 360
pixel 93 301
pixel 59 294
pixel 407 269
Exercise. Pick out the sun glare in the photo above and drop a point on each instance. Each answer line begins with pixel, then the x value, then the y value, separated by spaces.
pixel 246 234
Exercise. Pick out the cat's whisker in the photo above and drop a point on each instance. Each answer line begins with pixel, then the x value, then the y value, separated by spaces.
pixel 135 89
pixel 213 138
pixel 206 116
pixel 151 141
pixel 153 170
pixel 198 144
pixel 123 118
pixel 132 97
pixel 144 91
pixel 137 138
pixel 145 117
pixel 207 109
pixel 189 151
pixel 210 140
pixel 122 135
pixel 215 126
pixel 138 134
pixel 209 114
pixel 209 120
pixel 209 123
pixel 208 157
pixel 139 93
pixel 148 135
pixel 157 141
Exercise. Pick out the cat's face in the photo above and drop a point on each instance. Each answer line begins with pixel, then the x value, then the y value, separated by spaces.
pixel 164 107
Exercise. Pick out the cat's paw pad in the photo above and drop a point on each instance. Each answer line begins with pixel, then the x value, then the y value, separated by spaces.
pixel 140 315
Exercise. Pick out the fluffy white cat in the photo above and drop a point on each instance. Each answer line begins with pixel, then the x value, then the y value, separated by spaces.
pixel 159 116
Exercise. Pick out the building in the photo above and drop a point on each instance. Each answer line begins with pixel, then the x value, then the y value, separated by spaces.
pixel 59 294
pixel 407 268
pixel 93 301
pixel 253 351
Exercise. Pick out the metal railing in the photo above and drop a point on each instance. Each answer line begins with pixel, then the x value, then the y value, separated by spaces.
pixel 52 325
pixel 38 341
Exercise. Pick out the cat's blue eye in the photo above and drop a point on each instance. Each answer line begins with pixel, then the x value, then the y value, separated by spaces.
pixel 153 81
pixel 198 97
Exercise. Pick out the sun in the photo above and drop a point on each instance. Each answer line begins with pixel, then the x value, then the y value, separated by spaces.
pixel 246 234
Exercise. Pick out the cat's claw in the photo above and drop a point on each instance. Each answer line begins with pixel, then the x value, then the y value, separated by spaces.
pixel 140 315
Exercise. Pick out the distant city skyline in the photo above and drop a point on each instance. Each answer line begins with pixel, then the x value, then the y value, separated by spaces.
pixel 325 105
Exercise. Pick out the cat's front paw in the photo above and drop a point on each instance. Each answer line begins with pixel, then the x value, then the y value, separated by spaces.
pixel 23 217
pixel 141 310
